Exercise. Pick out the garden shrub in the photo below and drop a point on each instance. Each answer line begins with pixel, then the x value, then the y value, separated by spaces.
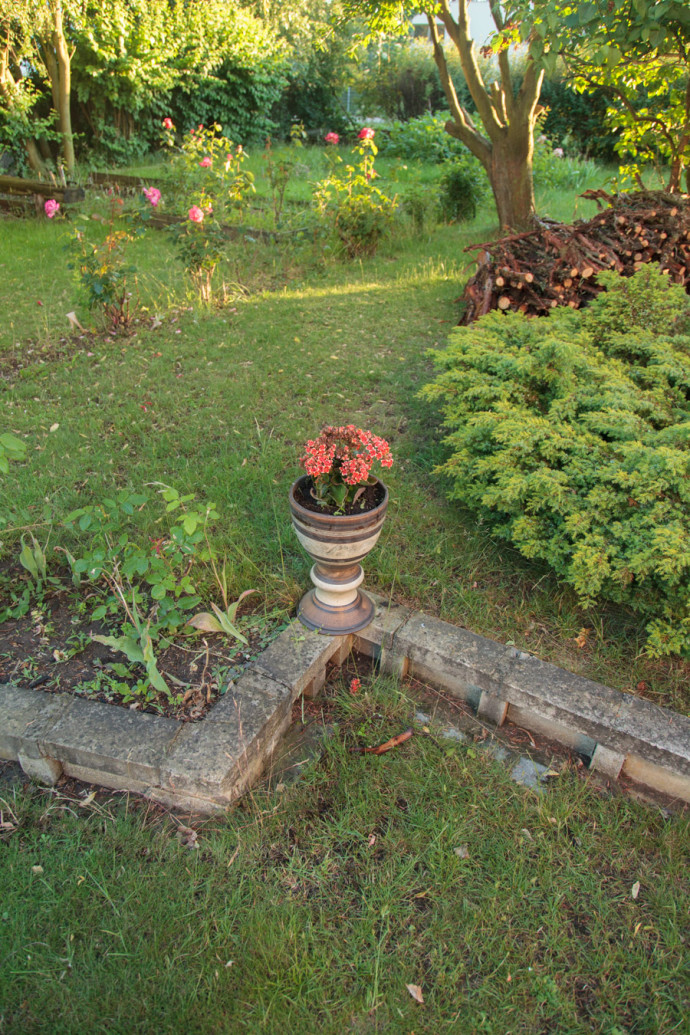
pixel 571 434
pixel 554 169
pixel 578 121
pixel 424 139
pixel 401 79
pixel 351 205
pixel 463 187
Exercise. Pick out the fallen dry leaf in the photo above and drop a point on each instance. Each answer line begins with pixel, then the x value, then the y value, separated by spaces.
pixel 74 322
pixel 581 639
pixel 462 852
pixel 635 890
pixel 416 992
pixel 188 836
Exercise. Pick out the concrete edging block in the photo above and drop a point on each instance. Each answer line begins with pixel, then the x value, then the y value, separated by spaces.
pixel 113 740
pixel 203 766
pixel 27 715
pixel 499 681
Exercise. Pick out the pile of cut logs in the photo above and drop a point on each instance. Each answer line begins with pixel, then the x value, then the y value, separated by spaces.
pixel 557 264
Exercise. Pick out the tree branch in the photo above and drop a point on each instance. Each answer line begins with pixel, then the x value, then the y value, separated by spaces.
pixel 459 32
pixel 462 127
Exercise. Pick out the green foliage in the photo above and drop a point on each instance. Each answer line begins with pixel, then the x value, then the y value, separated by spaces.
pixel 424 139
pixel 576 121
pixel 554 169
pixel 201 61
pixel 349 202
pixel 462 188
pixel 102 267
pixel 207 169
pixel 638 54
pixel 572 436
pixel 11 448
pixel 400 79
pixel 148 588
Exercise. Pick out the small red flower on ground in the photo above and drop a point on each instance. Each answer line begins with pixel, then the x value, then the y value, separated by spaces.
pixel 355 686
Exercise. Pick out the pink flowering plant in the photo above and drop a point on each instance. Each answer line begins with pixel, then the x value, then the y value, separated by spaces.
pixel 339 463
pixel 357 210
pixel 103 266
pixel 207 169
pixel 200 245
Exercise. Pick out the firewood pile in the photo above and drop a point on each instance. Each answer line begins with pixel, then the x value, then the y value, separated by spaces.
pixel 558 264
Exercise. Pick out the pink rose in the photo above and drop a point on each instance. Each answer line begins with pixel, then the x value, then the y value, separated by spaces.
pixel 332 138
pixel 196 214
pixel 168 124
pixel 51 207
pixel 153 195
pixel 366 134
pixel 206 162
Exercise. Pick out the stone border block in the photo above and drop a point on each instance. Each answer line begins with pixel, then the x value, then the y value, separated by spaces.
pixel 113 740
pixel 531 720
pixel 658 777
pixel 222 755
pixel 41 769
pixel 379 635
pixel 492 708
pixel 606 761
pixel 26 716
pixel 607 725
pixel 298 657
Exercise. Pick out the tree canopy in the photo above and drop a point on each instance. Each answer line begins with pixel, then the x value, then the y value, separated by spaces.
pixel 637 52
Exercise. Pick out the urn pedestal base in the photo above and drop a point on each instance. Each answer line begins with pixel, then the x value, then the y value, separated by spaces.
pixel 336 606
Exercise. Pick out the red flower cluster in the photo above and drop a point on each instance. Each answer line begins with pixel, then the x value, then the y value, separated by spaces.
pixel 367 133
pixel 346 452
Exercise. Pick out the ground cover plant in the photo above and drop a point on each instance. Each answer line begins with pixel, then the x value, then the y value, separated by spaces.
pixel 338 901
pixel 215 400
pixel 569 434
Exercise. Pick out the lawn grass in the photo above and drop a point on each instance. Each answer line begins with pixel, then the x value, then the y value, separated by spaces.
pixel 218 401
pixel 312 906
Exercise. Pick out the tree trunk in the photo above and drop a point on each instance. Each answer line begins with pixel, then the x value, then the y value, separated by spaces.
pixel 510 175
pixel 56 58
pixel 34 157
pixel 507 117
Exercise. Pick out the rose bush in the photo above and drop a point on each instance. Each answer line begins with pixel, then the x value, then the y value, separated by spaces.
pixel 359 213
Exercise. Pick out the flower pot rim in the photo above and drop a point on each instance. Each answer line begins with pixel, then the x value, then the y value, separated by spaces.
pixel 314 517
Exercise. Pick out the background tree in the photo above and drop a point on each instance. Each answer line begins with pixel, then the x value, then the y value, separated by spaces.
pixel 501 134
pixel 34 50
pixel 637 52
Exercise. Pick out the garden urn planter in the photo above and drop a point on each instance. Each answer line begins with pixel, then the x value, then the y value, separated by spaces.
pixel 336 543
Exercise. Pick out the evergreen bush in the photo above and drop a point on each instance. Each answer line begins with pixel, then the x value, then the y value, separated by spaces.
pixel 571 434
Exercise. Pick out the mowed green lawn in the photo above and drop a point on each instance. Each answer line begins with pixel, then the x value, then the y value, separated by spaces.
pixel 219 402
pixel 312 907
